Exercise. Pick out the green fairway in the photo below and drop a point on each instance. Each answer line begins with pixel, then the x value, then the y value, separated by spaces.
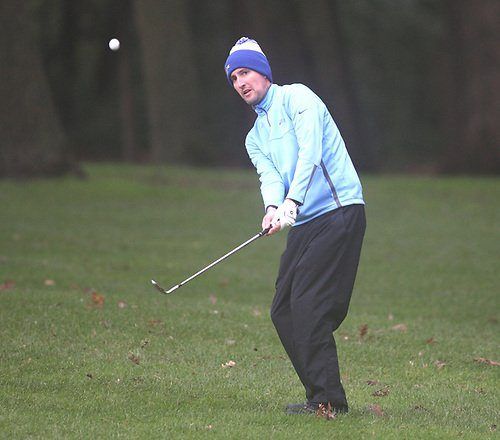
pixel 90 350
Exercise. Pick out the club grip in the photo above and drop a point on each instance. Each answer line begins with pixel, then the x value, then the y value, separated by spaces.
pixel 265 231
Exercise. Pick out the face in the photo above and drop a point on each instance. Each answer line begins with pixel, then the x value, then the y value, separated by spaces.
pixel 250 85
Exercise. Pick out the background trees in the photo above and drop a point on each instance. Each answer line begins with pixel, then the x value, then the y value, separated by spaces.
pixel 31 136
pixel 473 86
pixel 413 85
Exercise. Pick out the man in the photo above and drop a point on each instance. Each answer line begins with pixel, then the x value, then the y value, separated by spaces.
pixel 309 182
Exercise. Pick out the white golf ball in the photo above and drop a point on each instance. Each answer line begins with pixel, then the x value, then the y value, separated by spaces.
pixel 114 44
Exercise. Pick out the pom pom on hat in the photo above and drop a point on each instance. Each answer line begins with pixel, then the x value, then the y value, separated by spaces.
pixel 247 53
pixel 245 43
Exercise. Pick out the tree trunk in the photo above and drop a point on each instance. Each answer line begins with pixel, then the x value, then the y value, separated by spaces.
pixel 127 116
pixel 473 87
pixel 332 69
pixel 123 26
pixel 170 76
pixel 32 142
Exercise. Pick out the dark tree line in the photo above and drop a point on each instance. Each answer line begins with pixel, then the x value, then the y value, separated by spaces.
pixel 413 85
pixel 473 86
pixel 31 136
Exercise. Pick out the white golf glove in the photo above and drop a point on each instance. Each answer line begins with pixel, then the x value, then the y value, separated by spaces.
pixel 285 215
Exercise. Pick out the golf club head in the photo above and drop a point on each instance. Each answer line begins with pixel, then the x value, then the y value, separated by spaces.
pixel 158 287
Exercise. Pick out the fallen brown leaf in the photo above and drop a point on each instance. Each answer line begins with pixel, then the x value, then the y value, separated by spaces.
pixel 154 322
pixel 439 364
pixel 229 364
pixel 400 327
pixel 376 409
pixel 430 340
pixel 381 393
pixel 49 282
pixel 213 299
pixel 325 411
pixel 372 382
pixel 8 284
pixel 363 330
pixel 481 360
pixel 134 358
pixel 97 299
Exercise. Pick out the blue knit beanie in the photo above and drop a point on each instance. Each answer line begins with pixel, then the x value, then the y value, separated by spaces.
pixel 247 53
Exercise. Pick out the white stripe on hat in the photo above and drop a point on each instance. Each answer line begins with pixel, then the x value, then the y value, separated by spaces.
pixel 245 43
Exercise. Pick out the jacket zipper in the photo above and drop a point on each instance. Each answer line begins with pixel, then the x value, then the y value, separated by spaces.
pixel 267 117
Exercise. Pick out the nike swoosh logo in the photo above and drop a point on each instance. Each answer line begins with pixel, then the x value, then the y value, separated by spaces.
pixel 302 112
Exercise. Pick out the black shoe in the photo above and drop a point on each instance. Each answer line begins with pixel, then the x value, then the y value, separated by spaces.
pixel 340 409
pixel 312 408
pixel 301 408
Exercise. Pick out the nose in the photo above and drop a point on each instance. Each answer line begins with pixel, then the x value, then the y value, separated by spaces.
pixel 240 82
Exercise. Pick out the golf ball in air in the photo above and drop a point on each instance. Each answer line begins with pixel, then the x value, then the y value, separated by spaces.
pixel 114 44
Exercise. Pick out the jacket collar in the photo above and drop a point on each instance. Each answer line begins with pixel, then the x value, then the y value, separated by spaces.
pixel 264 105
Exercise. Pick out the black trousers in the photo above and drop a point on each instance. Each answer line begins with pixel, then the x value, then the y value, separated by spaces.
pixel 313 290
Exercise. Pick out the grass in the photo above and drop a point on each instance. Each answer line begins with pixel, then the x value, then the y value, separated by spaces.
pixel 131 363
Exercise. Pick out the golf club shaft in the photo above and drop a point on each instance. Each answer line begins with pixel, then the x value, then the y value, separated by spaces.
pixel 236 249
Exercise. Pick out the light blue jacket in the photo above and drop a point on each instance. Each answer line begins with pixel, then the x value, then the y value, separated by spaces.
pixel 299 153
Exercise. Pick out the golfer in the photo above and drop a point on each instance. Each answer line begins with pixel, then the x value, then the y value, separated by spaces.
pixel 308 183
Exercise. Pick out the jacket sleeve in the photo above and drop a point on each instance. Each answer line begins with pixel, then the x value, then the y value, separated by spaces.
pixel 307 112
pixel 271 183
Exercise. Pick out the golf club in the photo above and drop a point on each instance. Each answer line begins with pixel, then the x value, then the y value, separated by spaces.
pixel 236 249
